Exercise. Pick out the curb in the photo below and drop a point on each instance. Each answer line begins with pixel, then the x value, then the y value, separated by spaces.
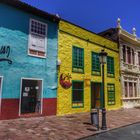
pixel 104 131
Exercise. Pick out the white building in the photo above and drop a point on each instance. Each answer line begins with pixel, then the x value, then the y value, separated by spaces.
pixel 129 47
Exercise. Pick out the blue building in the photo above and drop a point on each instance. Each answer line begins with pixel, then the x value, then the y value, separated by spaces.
pixel 28 60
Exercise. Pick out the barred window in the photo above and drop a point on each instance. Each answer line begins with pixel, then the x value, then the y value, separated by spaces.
pixel 111 94
pixel 96 69
pixel 110 66
pixel 37 38
pixel 77 93
pixel 78 60
pixel 38 28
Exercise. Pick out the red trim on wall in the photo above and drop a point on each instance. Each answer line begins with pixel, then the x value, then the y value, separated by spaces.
pixel 9 109
pixel 49 106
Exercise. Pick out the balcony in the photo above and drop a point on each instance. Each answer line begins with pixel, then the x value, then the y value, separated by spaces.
pixel 130 68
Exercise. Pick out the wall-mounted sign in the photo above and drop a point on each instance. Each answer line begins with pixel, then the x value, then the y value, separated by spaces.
pixel 4 54
pixel 27 89
pixel 65 80
pixel 25 94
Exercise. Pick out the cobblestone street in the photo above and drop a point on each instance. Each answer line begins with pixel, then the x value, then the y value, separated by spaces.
pixel 68 127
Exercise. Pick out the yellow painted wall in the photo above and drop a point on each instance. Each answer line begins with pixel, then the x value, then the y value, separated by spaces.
pixel 70 35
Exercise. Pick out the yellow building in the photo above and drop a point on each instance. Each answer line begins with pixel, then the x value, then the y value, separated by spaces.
pixel 79 72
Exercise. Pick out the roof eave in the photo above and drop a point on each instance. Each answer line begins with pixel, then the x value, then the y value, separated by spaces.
pixel 30 9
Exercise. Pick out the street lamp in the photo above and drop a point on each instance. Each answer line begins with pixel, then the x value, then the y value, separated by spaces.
pixel 103 59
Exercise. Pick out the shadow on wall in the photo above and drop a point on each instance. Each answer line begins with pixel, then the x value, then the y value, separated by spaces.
pixel 19 21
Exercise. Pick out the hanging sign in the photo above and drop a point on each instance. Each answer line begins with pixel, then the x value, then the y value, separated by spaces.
pixel 4 54
pixel 65 80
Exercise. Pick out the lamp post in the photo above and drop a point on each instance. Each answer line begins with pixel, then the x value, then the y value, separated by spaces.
pixel 103 59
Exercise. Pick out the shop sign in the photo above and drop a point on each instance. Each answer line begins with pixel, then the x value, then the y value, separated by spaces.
pixel 5 53
pixel 65 80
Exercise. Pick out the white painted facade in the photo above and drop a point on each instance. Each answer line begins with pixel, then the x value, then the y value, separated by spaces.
pixel 129 45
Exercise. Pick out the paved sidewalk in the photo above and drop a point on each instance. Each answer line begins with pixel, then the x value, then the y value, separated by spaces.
pixel 68 127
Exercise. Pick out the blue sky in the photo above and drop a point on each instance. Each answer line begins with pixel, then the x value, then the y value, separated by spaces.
pixel 94 15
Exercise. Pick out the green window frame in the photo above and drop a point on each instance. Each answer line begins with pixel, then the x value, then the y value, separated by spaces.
pixel 96 67
pixel 111 94
pixel 77 94
pixel 110 67
pixel 78 59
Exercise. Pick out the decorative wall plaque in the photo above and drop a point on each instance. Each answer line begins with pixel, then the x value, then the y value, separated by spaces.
pixel 65 80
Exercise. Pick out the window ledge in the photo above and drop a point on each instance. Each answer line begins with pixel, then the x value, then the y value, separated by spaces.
pixel 77 72
pixel 37 56
pixel 110 76
pixel 131 98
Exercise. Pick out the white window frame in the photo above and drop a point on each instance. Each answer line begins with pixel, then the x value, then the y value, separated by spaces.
pixel 34 79
pixel 1 77
pixel 29 39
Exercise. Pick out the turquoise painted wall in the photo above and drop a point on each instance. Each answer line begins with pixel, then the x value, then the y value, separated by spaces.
pixel 14 30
